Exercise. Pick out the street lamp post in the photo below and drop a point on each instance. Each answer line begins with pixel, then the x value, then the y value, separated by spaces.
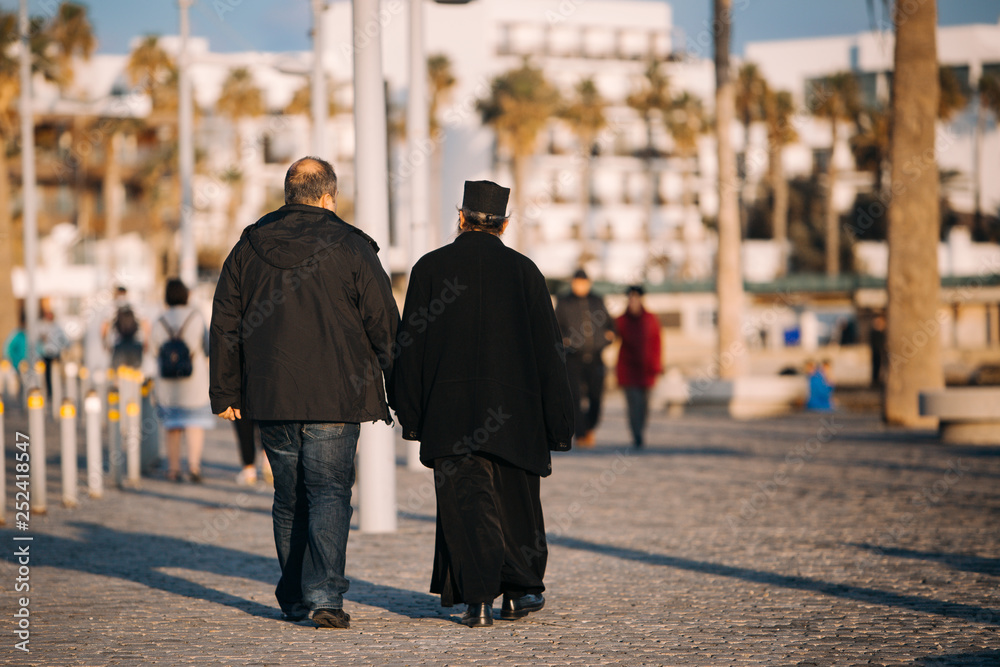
pixel 185 129
pixel 319 94
pixel 376 450
pixel 30 208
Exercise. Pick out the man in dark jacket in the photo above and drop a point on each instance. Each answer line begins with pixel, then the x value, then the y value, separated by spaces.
pixel 302 331
pixel 480 382
pixel 587 329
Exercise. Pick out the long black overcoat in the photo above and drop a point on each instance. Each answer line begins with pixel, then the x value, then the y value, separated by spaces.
pixel 480 366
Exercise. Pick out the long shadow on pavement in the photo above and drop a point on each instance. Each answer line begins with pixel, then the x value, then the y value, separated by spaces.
pixel 141 557
pixel 860 593
pixel 976 564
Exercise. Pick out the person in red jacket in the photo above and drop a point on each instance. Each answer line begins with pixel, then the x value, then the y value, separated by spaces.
pixel 639 359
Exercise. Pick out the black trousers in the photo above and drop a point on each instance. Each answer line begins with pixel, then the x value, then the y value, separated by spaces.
pixel 490 531
pixel 246 434
pixel 586 379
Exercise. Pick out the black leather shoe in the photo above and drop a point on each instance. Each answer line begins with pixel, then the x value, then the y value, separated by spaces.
pixel 478 615
pixel 514 608
pixel 332 618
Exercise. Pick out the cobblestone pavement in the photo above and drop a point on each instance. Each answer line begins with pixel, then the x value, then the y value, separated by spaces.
pixel 803 540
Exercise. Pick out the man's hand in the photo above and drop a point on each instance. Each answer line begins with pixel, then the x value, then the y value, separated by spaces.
pixel 231 413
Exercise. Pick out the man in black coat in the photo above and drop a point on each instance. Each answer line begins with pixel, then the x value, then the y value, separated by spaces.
pixel 302 331
pixel 479 380
pixel 587 329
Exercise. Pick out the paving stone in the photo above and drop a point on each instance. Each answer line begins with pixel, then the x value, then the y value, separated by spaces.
pixel 769 542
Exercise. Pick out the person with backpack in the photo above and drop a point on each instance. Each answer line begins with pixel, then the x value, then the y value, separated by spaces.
pixel 179 341
pixel 124 334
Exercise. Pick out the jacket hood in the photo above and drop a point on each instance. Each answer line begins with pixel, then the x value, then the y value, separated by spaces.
pixel 290 236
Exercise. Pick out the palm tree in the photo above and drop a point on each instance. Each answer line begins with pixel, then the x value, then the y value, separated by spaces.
pixel 836 99
pixel 240 99
pixel 53 43
pixel 729 276
pixel 152 69
pixel 686 122
pixel 651 101
pixel 870 145
pixel 442 81
pixel 584 113
pixel 913 282
pixel 520 103
pixel 750 91
pixel 989 100
pixel 952 98
pixel 778 111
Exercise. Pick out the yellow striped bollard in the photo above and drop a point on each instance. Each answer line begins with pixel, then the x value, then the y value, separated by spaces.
pixel 36 451
pixel 67 459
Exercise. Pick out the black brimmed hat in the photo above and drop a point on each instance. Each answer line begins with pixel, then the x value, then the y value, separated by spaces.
pixel 486 197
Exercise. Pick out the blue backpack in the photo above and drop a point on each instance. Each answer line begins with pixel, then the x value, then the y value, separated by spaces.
pixel 175 356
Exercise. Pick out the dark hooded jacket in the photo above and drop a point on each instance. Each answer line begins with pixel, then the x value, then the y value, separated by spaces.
pixel 303 322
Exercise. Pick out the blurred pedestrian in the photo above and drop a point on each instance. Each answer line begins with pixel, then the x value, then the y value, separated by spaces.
pixel 15 348
pixel 125 333
pixel 303 327
pixel 820 388
pixel 52 340
pixel 247 439
pixel 179 337
pixel 587 329
pixel 480 383
pixel 876 342
pixel 640 359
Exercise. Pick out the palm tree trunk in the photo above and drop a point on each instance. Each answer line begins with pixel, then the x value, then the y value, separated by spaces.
pixel 520 230
pixel 913 327
pixel 8 305
pixel 586 232
pixel 434 219
pixel 832 228
pixel 729 277
pixel 113 196
pixel 779 212
pixel 650 184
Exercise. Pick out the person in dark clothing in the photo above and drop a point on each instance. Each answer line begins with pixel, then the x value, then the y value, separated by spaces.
pixel 640 359
pixel 480 382
pixel 303 326
pixel 876 341
pixel 587 329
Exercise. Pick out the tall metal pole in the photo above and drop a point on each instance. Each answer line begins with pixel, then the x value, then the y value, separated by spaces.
pixel 185 129
pixel 30 207
pixel 319 94
pixel 418 160
pixel 418 150
pixel 376 451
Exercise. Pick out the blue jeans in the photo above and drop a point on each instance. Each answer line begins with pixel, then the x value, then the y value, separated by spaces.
pixel 313 466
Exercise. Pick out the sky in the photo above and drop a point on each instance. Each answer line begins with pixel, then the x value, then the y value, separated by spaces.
pixel 283 25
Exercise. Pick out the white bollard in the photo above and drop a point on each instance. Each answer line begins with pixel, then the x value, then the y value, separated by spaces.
pixel 72 373
pixel 57 388
pixel 130 435
pixel 40 378
pixel 36 450
pixel 95 463
pixel 67 426
pixel 376 478
pixel 413 455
